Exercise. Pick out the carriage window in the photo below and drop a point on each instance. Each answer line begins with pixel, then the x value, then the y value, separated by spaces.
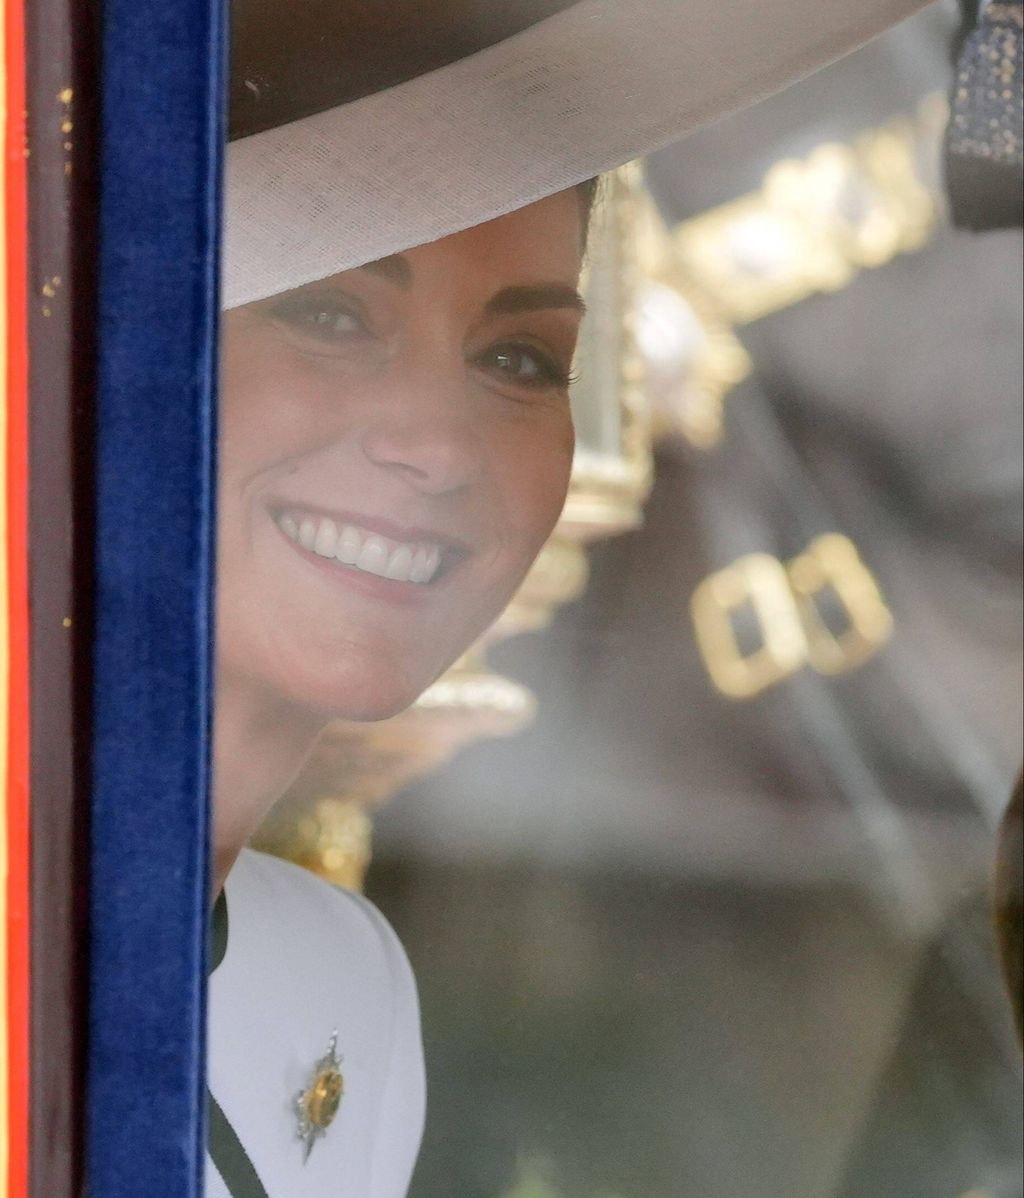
pixel 619 663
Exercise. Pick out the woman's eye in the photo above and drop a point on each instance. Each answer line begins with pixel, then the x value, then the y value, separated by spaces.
pixel 526 365
pixel 333 324
pixel 321 319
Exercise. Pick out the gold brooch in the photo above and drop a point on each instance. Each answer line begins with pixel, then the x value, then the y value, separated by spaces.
pixel 316 1106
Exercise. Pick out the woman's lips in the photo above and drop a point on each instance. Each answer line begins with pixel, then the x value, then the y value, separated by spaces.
pixel 398 561
pixel 350 550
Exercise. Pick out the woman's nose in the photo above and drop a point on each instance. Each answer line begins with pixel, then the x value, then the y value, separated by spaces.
pixel 433 445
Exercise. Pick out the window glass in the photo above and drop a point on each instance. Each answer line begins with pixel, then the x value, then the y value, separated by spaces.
pixel 680 797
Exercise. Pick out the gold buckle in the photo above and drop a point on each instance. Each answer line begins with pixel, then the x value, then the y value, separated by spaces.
pixel 761 581
pixel 832 560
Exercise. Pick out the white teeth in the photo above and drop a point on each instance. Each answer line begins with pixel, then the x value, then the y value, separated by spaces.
pixel 307 533
pixel 326 538
pixel 363 550
pixel 417 571
pixel 373 557
pixel 424 564
pixel 349 544
pixel 398 566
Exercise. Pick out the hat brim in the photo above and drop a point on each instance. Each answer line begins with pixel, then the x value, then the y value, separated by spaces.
pixel 574 95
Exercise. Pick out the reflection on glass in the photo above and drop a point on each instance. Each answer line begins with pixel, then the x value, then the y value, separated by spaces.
pixel 671 934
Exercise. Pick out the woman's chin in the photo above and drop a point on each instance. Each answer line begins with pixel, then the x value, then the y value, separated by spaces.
pixel 367 708
pixel 376 692
pixel 362 677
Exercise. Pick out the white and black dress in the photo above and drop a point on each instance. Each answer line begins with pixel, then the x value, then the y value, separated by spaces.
pixel 294 961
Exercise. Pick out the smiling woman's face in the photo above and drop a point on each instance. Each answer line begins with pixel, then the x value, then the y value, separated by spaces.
pixel 395 449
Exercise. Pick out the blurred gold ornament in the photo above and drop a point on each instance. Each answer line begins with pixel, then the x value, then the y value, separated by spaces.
pixel 818 220
pixel 756 583
pixel 823 609
pixel 831 567
pixel 691 357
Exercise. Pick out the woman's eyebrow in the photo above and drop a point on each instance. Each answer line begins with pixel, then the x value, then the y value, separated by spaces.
pixel 395 268
pixel 510 300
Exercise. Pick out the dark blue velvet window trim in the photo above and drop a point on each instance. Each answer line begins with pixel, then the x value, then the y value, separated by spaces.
pixel 163 80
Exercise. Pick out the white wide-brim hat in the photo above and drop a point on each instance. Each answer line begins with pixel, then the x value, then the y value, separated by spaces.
pixel 362 129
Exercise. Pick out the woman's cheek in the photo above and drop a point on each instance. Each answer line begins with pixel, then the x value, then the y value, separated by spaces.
pixel 554 469
pixel 537 491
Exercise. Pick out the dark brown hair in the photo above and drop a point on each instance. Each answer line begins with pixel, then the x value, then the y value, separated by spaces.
pixel 588 192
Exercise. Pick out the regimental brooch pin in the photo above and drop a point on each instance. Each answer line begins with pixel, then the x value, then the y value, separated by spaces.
pixel 316 1106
